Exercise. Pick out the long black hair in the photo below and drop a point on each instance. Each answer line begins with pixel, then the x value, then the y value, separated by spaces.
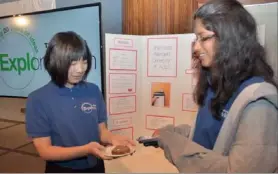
pixel 238 55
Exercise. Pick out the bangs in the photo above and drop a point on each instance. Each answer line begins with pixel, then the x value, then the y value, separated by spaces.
pixel 76 50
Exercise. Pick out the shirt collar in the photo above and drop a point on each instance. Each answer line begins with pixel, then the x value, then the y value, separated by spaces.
pixel 65 90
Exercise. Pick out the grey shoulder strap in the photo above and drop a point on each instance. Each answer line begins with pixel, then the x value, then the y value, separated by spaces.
pixel 242 99
pixel 228 130
pixel 229 127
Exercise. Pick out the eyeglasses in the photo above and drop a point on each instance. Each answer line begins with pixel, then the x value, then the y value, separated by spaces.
pixel 204 39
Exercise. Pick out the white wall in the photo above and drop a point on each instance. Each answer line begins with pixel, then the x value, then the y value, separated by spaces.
pixel 266 14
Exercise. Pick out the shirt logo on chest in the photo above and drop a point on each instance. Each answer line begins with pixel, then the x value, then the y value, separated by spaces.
pixel 224 113
pixel 88 107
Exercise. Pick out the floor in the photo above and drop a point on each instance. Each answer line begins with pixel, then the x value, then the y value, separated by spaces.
pixel 17 153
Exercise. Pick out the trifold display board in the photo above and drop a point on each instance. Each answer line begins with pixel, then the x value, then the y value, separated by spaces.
pixel 149 82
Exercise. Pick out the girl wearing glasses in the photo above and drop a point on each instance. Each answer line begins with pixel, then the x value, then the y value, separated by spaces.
pixel 236 129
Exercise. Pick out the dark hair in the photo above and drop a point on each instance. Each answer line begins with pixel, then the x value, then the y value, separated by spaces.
pixel 238 55
pixel 62 50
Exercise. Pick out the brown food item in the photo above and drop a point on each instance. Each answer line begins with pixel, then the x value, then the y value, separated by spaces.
pixel 120 150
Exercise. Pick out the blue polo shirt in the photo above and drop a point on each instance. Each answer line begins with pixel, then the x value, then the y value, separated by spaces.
pixel 207 127
pixel 69 116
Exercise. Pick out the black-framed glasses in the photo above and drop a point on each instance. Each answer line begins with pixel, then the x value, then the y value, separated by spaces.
pixel 204 39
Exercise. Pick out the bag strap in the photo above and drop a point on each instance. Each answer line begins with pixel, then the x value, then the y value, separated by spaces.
pixel 229 127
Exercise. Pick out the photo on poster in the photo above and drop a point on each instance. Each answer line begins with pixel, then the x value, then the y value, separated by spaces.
pixel 160 94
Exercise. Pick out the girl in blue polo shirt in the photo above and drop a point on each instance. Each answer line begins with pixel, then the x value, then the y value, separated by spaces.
pixel 67 117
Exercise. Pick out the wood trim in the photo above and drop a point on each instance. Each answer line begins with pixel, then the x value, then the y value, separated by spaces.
pixel 149 17
pixel 195 4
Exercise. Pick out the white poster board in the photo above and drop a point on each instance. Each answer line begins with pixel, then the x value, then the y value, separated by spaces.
pixel 149 82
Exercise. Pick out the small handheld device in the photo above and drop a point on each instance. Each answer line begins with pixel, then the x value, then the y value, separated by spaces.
pixel 148 141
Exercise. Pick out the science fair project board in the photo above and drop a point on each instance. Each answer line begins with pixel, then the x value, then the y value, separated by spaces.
pixel 149 82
